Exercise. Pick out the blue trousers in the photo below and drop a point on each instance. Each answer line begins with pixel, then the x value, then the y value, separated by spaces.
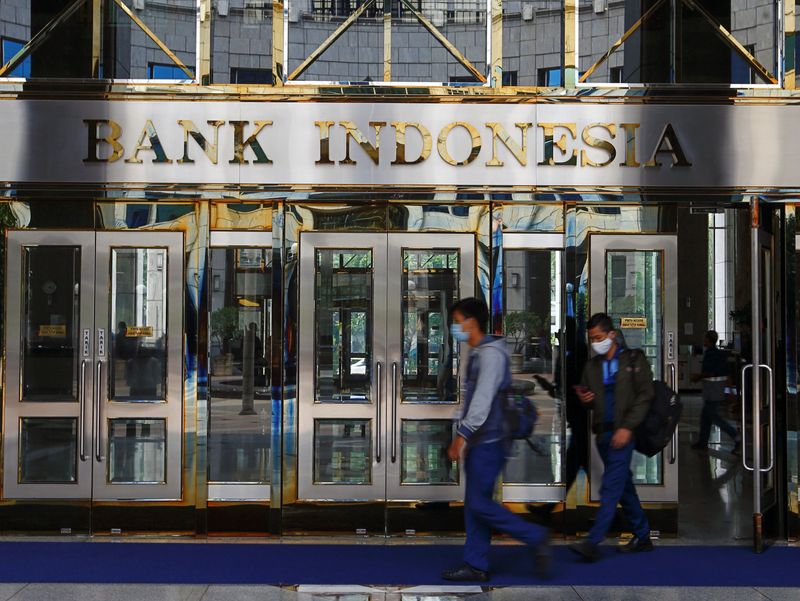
pixel 482 465
pixel 617 488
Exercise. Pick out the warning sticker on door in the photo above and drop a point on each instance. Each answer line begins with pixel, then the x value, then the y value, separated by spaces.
pixel 633 322
pixel 48 331
pixel 138 331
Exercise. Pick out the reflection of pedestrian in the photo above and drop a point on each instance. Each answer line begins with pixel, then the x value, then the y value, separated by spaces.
pixel 714 374
pixel 483 440
pixel 577 455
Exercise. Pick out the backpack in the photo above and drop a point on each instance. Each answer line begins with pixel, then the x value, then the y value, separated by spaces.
pixel 519 412
pixel 658 426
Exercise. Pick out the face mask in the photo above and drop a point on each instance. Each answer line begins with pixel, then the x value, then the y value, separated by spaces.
pixel 602 347
pixel 458 333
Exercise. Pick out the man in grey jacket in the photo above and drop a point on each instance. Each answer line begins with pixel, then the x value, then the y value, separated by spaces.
pixel 482 438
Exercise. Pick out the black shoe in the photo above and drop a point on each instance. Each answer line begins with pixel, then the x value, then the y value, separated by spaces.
pixel 465 573
pixel 587 550
pixel 637 545
pixel 699 446
pixel 543 560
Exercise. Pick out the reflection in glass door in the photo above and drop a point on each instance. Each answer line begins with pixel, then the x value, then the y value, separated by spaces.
pixel 532 325
pixel 96 412
pixel 240 408
pixel 427 273
pixel 634 279
pixel 378 385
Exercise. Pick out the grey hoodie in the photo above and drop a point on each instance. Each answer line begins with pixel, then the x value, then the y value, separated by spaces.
pixel 488 373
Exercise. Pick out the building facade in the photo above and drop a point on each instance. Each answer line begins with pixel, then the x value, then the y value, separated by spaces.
pixel 233 232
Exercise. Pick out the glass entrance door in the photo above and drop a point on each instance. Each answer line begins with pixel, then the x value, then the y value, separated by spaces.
pixel 533 327
pixel 94 377
pixel 635 280
pixel 378 383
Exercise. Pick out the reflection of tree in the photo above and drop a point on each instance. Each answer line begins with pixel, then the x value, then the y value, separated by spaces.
pixel 225 327
pixel 521 325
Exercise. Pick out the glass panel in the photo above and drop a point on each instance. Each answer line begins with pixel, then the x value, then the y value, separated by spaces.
pixel 50 318
pixel 634 298
pixel 417 56
pixel 423 447
pixel 532 35
pixel 634 301
pixel 129 53
pixel 241 406
pixel 343 295
pixel 139 312
pixel 430 286
pixel 531 320
pixel 21 20
pixel 137 450
pixel 242 43
pixel 342 451
pixel 356 56
pixel 48 449
pixel 700 55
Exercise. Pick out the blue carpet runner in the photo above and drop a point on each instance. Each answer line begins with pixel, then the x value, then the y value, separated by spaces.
pixel 371 564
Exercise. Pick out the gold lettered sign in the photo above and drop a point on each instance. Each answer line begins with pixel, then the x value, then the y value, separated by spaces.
pixel 48 331
pixel 138 331
pixel 633 322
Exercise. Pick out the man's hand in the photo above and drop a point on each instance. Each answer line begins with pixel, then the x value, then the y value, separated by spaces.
pixel 621 438
pixel 585 395
pixel 456 448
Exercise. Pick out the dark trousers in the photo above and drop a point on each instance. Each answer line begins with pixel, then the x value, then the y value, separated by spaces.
pixel 482 466
pixel 617 488
pixel 577 455
pixel 709 416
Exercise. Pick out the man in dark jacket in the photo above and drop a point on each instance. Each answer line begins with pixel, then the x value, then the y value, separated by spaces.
pixel 482 437
pixel 618 385
pixel 715 372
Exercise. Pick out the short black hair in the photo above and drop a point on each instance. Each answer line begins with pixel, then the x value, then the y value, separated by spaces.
pixel 474 308
pixel 712 336
pixel 602 321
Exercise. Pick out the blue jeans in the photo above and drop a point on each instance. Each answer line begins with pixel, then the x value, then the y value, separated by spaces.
pixel 482 465
pixel 617 488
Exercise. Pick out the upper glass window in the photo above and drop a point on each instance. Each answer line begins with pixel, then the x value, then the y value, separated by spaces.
pixel 532 42
pixel 139 39
pixel 715 42
pixel 9 50
pixel 388 41
pixel 242 42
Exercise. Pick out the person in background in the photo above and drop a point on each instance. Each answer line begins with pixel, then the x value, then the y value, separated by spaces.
pixel 482 438
pixel 617 384
pixel 714 375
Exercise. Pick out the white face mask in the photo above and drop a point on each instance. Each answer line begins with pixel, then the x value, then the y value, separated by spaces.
pixel 602 347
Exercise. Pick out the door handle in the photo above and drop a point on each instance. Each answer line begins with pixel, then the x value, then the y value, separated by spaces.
pixel 98 421
pixel 82 410
pixel 771 419
pixel 378 403
pixel 394 412
pixel 749 468
pixel 673 447
pixel 674 376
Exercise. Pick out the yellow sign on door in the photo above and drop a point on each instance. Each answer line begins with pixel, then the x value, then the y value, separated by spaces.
pixel 52 331
pixel 633 322
pixel 138 331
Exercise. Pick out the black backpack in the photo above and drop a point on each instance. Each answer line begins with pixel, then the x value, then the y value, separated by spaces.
pixel 658 426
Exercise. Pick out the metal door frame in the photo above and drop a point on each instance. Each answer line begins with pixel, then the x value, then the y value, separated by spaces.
pixel 308 410
pixel 14 409
pixel 236 491
pixel 554 492
pixel 172 409
pixel 396 411
pixel 667 244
